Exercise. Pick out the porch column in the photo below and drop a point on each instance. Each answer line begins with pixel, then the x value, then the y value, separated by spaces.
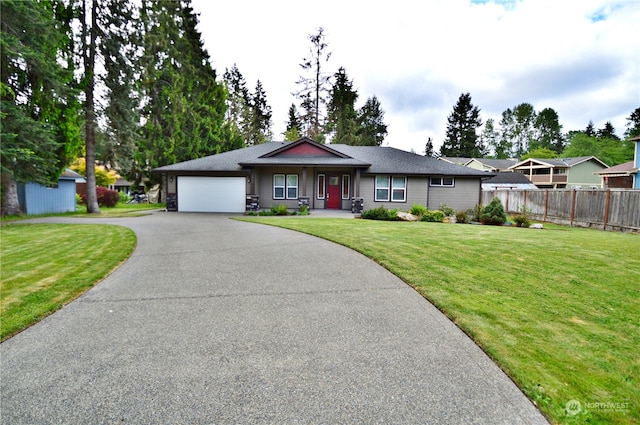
pixel 356 186
pixel 304 181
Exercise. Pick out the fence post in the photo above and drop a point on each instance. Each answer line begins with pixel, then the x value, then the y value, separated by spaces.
pixel 573 206
pixel 606 209
pixel 546 204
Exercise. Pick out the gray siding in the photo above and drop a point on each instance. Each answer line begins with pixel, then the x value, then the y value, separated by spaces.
pixel 264 186
pixel 465 194
pixel 416 193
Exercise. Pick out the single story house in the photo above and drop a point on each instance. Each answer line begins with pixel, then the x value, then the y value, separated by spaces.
pixel 489 164
pixel 321 176
pixel 35 198
pixel 507 180
pixel 621 176
pixel 569 173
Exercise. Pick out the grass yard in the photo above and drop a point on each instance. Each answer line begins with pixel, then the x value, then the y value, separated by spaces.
pixel 557 309
pixel 44 266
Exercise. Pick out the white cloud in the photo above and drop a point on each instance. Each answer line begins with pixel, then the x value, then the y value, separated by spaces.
pixel 580 57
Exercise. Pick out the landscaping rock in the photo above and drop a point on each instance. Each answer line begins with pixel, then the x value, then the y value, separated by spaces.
pixel 536 226
pixel 404 216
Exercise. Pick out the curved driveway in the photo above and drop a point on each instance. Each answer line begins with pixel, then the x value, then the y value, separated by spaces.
pixel 216 321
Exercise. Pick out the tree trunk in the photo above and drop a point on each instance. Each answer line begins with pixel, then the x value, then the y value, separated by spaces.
pixel 10 203
pixel 90 118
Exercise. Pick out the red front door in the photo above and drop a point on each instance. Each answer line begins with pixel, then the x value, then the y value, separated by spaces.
pixel 334 193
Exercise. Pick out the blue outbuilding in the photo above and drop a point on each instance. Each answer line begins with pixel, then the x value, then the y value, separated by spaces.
pixel 35 198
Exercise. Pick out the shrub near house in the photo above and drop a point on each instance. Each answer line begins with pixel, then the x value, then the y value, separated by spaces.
pixel 106 197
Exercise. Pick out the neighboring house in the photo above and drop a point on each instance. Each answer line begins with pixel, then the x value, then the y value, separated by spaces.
pixel 322 176
pixel 454 160
pixel 621 176
pixel 488 164
pixel 508 180
pixel 569 173
pixel 35 198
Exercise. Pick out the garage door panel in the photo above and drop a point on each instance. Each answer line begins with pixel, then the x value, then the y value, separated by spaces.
pixel 211 194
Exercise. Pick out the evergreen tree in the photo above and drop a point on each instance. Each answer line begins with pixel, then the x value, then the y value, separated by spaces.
pixel 607 132
pixel 260 128
pixel 120 48
pixel 371 126
pixel 461 137
pixel 428 148
pixel 292 132
pixel 314 86
pixel 548 131
pixel 341 112
pixel 184 108
pixel 238 113
pixel 39 132
pixel 590 130
pixel 633 124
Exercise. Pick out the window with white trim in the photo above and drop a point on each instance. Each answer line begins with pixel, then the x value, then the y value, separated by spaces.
pixel 346 180
pixel 321 183
pixel 292 186
pixel 391 188
pixel 398 189
pixel 442 181
pixel 382 188
pixel 278 186
pixel 285 186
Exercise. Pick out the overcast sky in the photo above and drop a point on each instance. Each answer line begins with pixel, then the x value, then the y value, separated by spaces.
pixel 579 57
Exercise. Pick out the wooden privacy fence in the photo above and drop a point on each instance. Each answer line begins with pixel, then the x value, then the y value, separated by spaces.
pixel 609 209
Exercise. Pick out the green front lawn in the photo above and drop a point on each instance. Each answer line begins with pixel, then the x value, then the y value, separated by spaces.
pixel 44 266
pixel 557 309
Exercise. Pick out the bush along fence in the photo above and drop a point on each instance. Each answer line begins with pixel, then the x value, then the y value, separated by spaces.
pixel 609 209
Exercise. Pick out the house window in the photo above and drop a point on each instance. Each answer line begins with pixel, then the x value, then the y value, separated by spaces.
pixel 285 186
pixel 398 189
pixel 292 186
pixel 442 181
pixel 320 191
pixel 382 188
pixel 278 186
pixel 396 186
pixel 345 186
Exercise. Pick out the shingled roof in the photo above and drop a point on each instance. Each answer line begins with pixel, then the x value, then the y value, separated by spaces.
pixel 370 159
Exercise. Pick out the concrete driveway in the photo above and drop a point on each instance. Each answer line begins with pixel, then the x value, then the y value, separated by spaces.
pixel 216 321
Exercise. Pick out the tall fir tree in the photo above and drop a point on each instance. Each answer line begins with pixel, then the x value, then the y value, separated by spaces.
pixel 372 129
pixel 184 108
pixel 121 49
pixel 461 139
pixel 260 128
pixel 341 123
pixel 238 113
pixel 607 132
pixel 39 111
pixel 293 130
pixel 314 86
pixel 633 124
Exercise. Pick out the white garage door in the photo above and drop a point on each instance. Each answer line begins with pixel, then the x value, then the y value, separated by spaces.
pixel 211 194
